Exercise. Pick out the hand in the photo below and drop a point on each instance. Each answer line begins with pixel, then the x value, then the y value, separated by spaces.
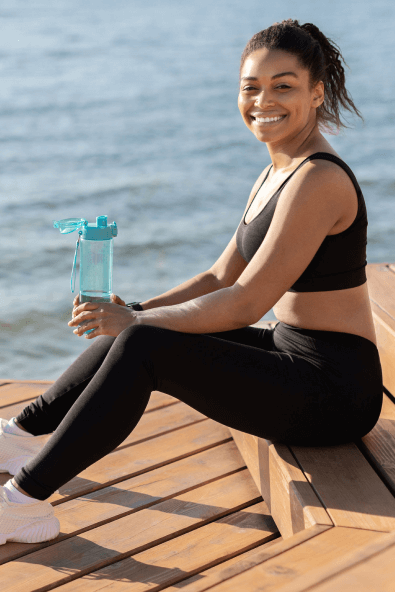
pixel 114 298
pixel 106 318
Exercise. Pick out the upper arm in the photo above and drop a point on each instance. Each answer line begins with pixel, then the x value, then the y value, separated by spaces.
pixel 305 213
pixel 230 264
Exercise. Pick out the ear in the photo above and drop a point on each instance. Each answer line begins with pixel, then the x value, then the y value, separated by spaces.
pixel 318 94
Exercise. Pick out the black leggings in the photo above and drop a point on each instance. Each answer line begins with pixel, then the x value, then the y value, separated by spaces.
pixel 285 384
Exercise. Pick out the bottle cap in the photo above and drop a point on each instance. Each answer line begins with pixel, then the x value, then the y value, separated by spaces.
pixel 98 230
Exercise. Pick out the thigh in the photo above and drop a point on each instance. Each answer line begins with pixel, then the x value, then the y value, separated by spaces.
pixel 266 393
pixel 252 336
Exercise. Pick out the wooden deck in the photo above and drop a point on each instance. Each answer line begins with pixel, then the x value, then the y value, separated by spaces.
pixel 174 507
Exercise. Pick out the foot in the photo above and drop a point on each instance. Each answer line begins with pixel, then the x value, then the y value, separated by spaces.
pixel 26 523
pixel 16 451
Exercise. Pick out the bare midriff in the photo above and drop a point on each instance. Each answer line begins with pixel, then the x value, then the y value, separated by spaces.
pixel 347 311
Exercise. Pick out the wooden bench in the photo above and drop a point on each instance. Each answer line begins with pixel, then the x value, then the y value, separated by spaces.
pixel 334 506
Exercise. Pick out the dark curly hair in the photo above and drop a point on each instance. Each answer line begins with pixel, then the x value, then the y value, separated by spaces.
pixel 320 56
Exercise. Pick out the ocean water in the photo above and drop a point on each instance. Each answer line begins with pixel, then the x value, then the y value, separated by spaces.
pixel 129 109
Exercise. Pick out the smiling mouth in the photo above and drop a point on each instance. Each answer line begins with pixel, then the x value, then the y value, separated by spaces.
pixel 268 120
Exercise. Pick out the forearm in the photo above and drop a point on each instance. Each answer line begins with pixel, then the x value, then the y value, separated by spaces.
pixel 222 310
pixel 203 283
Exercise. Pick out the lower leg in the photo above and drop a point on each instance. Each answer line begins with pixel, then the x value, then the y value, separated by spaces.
pixel 44 414
pixel 104 414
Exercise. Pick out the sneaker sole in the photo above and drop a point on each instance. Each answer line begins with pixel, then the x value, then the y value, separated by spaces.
pixel 36 532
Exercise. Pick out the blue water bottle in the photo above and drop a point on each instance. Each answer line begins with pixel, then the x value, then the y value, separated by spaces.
pixel 95 242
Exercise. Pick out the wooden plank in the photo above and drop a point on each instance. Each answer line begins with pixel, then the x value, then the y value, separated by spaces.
pixel 170 563
pixel 17 392
pixel 26 391
pixel 369 568
pixel 385 334
pixel 290 497
pixel 350 490
pixel 211 574
pixel 208 579
pixel 248 447
pixel 128 462
pixel 381 286
pixel 81 514
pixel 129 535
pixel 379 445
pixel 274 574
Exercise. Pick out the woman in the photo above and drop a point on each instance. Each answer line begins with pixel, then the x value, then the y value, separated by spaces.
pixel 315 379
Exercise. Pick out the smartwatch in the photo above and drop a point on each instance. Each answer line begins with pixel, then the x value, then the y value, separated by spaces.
pixel 135 305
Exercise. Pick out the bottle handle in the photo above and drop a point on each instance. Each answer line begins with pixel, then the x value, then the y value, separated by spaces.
pixel 74 268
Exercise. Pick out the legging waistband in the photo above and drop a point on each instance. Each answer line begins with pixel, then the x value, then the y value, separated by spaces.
pixel 338 338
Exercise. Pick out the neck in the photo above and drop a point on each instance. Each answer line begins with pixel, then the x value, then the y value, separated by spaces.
pixel 287 154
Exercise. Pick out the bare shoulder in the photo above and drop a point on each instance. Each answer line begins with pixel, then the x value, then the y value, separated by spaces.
pixel 326 181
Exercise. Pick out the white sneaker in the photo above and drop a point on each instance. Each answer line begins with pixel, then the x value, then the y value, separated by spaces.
pixel 26 523
pixel 16 451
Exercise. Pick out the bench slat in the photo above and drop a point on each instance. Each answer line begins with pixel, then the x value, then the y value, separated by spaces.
pixel 290 497
pixel 348 487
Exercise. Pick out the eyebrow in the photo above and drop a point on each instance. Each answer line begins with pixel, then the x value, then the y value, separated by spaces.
pixel 273 77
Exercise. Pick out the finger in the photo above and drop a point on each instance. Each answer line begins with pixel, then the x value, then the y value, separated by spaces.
pixel 117 300
pixel 76 300
pixel 96 331
pixel 83 317
pixel 86 326
pixel 85 306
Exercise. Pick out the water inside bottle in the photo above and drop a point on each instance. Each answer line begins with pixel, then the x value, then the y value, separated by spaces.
pixel 93 296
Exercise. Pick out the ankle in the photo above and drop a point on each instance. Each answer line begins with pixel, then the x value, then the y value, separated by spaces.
pixel 19 425
pixel 18 488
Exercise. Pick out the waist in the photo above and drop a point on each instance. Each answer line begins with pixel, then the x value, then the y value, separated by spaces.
pixel 331 351
pixel 342 311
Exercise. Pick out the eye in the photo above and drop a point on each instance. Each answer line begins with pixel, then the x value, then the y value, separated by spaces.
pixel 283 86
pixel 247 88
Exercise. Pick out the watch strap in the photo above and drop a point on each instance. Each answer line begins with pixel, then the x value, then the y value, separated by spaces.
pixel 135 305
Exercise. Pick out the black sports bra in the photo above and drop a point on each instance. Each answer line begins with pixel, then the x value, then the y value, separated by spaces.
pixel 340 261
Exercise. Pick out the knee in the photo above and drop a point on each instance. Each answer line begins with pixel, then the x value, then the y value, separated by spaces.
pixel 137 336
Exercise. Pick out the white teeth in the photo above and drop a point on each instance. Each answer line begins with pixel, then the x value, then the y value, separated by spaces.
pixel 268 119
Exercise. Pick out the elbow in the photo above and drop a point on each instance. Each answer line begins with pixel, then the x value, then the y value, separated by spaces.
pixel 246 310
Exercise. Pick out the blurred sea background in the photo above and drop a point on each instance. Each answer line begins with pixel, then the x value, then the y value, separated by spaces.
pixel 129 109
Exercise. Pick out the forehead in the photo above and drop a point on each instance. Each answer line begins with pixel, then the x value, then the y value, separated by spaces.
pixel 268 62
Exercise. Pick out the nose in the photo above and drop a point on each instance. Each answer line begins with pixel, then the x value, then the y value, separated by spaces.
pixel 263 98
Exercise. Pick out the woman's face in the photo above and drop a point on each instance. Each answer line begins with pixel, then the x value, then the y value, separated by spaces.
pixel 274 85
